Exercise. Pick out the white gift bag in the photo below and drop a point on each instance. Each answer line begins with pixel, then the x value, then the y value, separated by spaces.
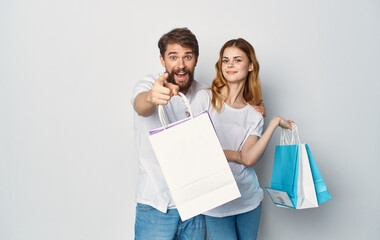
pixel 306 196
pixel 193 163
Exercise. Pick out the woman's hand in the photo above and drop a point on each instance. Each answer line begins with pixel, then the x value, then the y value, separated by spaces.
pixel 233 156
pixel 282 122
pixel 286 123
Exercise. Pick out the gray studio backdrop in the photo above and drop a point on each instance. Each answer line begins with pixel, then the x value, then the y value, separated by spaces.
pixel 68 166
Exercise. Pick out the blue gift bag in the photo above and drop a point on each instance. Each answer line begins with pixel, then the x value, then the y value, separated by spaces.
pixel 320 186
pixel 287 175
pixel 285 170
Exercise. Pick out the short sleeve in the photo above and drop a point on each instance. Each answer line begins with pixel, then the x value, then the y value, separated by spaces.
pixel 257 129
pixel 144 85
pixel 201 101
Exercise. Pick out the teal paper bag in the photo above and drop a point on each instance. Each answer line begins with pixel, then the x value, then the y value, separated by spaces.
pixel 320 186
pixel 285 171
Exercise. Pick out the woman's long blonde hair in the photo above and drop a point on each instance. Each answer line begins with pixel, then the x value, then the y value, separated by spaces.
pixel 252 88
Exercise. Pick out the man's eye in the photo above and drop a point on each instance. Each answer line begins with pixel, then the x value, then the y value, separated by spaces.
pixel 173 57
pixel 188 57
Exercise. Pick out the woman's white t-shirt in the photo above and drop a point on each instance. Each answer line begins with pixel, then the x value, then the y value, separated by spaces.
pixel 233 127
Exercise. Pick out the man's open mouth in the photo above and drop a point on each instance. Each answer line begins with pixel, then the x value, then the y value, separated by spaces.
pixel 181 75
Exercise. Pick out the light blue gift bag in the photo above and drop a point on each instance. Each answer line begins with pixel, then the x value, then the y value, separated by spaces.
pixel 285 171
pixel 293 164
pixel 320 186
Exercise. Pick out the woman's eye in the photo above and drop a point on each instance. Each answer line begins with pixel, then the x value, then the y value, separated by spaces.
pixel 225 61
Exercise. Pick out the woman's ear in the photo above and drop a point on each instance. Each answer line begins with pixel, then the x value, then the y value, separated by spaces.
pixel 250 68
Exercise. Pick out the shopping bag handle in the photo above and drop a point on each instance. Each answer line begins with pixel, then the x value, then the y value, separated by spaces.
pixel 294 137
pixel 161 113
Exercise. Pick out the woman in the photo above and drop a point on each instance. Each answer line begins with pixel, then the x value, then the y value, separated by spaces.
pixel 230 100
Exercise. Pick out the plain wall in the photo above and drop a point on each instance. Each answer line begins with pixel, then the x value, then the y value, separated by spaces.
pixel 68 165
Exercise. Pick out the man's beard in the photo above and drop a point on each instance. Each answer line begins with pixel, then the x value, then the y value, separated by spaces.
pixel 183 87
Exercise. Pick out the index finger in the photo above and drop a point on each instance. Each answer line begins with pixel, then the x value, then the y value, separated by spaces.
pixel 173 88
pixel 161 80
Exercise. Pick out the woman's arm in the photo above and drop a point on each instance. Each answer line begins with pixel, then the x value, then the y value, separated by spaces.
pixel 254 147
pixel 233 156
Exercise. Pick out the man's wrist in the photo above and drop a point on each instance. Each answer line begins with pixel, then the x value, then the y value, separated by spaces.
pixel 149 99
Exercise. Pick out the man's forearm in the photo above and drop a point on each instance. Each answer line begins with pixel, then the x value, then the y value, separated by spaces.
pixel 143 106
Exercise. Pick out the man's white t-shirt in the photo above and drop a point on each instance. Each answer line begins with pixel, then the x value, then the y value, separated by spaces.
pixel 151 186
pixel 233 127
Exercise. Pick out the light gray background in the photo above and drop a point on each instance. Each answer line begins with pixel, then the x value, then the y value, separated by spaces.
pixel 68 165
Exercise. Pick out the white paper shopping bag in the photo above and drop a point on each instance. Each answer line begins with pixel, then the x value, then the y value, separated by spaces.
pixel 306 196
pixel 193 164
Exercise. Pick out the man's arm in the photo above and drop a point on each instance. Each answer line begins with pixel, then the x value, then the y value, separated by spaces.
pixel 145 103
pixel 260 108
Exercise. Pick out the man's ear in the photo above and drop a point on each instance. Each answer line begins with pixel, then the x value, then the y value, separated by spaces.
pixel 162 61
pixel 196 61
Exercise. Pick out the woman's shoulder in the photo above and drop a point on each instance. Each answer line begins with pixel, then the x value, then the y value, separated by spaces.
pixel 253 113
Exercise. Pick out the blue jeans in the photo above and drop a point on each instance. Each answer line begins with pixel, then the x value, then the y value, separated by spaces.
pixel 152 224
pixel 242 226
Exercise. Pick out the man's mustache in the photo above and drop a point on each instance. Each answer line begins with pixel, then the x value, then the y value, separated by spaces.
pixel 176 71
pixel 179 70
pixel 185 70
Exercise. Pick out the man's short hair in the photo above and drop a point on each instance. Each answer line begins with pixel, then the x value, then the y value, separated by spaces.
pixel 181 36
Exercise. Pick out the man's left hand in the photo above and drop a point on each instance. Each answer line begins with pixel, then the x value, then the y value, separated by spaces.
pixel 261 108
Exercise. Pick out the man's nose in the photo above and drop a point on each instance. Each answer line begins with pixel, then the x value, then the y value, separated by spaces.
pixel 181 63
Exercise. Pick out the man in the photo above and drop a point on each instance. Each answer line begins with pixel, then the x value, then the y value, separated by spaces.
pixel 156 215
